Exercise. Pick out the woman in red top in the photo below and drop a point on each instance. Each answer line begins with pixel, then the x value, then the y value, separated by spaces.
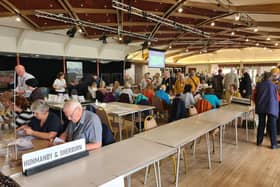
pixel 149 91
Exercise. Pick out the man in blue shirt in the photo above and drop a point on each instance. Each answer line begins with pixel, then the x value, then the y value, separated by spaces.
pixel 82 124
pixel 266 100
pixel 211 98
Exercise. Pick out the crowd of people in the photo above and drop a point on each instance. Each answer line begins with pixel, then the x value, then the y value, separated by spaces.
pixel 179 93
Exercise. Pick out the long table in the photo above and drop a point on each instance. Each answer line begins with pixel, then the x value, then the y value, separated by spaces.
pixel 244 111
pixel 101 166
pixel 123 109
pixel 179 133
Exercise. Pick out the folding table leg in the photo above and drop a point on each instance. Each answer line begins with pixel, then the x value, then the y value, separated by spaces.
pixel 129 180
pixel 159 176
pixel 208 149
pixel 246 117
pixel 146 175
pixel 156 176
pixel 120 128
pixel 236 135
pixel 178 166
pixel 221 143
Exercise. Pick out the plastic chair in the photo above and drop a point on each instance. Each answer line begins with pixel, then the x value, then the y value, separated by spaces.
pixel 124 98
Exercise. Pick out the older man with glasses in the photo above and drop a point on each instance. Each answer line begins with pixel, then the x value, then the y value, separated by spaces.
pixel 82 124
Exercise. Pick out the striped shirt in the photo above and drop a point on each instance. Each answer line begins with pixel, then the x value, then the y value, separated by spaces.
pixel 23 117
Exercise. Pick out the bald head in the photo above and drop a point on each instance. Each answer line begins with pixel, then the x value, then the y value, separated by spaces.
pixel 20 70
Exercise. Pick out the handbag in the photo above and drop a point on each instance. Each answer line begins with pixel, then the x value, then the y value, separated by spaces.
pixel 192 111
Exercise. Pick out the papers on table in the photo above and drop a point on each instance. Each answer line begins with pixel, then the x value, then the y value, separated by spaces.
pixel 23 143
pixel 58 140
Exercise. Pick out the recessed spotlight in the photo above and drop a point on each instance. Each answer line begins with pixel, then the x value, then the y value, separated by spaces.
pixel 237 17
pixel 213 24
pixel 256 30
pixel 45 23
pixel 232 33
pixel 51 5
pixel 149 43
pixel 247 40
pixel 257 44
pixel 268 38
pixel 18 19
pixel 82 5
pixel 170 46
pixel 120 38
pixel 180 10
pixel 80 30
pixel 276 44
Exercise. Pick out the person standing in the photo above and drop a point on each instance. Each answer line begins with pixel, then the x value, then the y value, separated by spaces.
pixel 266 100
pixel 245 84
pixel 218 84
pixel 193 80
pixel 59 83
pixel 231 78
pixel 167 81
pixel 23 76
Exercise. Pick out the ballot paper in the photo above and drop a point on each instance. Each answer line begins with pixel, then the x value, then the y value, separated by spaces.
pixel 58 140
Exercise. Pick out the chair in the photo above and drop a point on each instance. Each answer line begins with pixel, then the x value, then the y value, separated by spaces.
pixel 159 106
pixel 7 181
pixel 99 96
pixel 124 98
pixel 177 110
pixel 114 127
pixel 150 123
pixel 203 105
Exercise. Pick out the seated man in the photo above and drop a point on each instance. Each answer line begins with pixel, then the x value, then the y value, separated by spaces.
pixel 44 124
pixel 82 124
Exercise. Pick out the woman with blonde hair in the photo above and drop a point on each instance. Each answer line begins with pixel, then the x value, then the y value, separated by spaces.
pixel 179 84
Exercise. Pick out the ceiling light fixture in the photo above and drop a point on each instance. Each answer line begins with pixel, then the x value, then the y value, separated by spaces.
pixel 268 38
pixel 103 38
pixel 213 24
pixel 232 33
pixel 71 32
pixel 257 44
pixel 170 46
pixel 120 38
pixel 180 10
pixel 247 40
pixel 237 17
pixel 80 30
pixel 18 19
pixel 276 44
pixel 256 30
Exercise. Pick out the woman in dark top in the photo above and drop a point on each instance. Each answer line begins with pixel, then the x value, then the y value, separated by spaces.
pixel 45 124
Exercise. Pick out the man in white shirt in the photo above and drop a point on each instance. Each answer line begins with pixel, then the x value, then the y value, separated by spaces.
pixel 23 76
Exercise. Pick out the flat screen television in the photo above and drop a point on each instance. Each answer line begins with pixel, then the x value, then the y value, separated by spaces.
pixel 156 58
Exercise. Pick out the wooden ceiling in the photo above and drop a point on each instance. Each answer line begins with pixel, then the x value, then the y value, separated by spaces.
pixel 258 26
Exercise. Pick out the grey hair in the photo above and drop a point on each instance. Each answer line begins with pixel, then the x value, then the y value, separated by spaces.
pixel 40 106
pixel 72 104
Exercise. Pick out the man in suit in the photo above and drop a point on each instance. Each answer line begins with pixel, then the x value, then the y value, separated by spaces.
pixel 266 100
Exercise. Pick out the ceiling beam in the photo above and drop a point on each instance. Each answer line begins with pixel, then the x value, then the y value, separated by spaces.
pixel 259 9
pixel 214 18
pixel 10 7
pixel 273 24
pixel 166 15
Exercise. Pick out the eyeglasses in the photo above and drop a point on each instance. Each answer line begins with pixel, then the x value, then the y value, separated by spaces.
pixel 72 114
